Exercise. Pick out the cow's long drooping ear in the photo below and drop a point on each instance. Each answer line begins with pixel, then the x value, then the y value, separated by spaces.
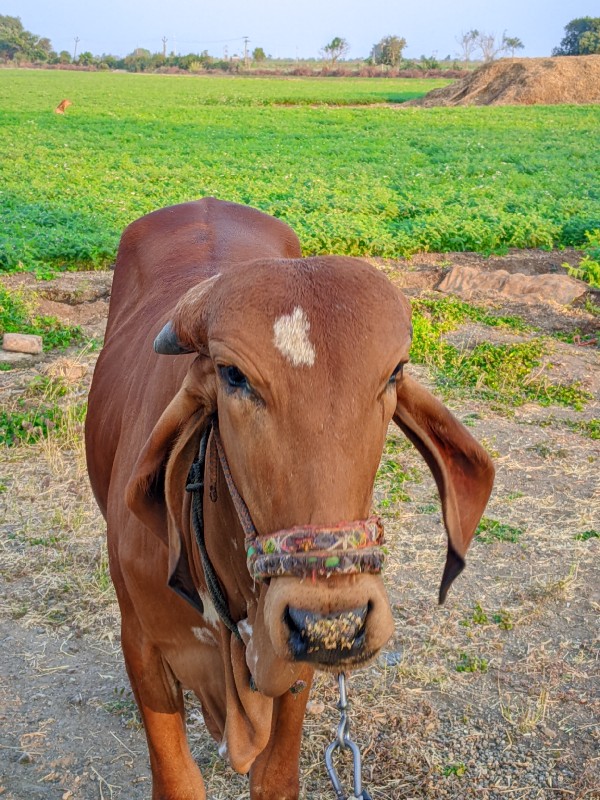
pixel 462 469
pixel 144 493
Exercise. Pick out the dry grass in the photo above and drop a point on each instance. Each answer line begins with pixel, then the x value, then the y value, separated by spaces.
pixel 54 551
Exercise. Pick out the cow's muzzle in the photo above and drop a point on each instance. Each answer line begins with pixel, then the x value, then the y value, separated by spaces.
pixel 327 638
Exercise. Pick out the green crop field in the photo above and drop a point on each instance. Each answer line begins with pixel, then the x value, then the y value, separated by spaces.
pixel 338 159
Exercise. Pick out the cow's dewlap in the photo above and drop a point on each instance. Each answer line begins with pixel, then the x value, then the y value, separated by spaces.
pixel 291 338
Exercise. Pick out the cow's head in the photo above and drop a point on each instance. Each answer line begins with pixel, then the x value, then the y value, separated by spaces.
pixel 302 361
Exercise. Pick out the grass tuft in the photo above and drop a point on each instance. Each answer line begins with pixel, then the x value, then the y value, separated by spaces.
pixel 17 316
pixel 490 530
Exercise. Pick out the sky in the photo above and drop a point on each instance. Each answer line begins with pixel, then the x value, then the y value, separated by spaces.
pixel 292 28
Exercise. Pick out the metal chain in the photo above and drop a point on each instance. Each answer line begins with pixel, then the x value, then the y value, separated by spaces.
pixel 344 742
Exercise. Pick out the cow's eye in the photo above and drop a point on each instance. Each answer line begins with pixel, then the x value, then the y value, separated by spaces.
pixel 234 378
pixel 397 373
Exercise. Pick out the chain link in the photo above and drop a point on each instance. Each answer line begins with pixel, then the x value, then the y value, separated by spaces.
pixel 344 742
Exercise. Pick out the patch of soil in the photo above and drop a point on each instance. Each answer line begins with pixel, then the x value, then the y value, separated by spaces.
pixel 522 81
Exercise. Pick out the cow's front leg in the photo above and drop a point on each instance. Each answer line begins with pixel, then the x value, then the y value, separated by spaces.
pixel 275 773
pixel 175 775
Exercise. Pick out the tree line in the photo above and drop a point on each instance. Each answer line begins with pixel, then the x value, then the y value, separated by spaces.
pixel 17 45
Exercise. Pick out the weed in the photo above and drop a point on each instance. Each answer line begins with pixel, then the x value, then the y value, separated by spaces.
pixel 554 589
pixel 468 663
pixel 16 316
pixel 50 388
pixel 454 769
pixel 503 619
pixel 392 477
pixel 490 530
pixel 586 535
pixel 19 610
pixel 479 617
pixel 27 425
pixel 588 269
pixel 102 574
pixel 123 705
pixel 503 373
pixel 429 508
pixel 527 714
pixel 447 313
pixel 589 428
pixel 545 451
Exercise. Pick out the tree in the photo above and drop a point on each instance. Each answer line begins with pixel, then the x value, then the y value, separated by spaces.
pixel 139 60
pixel 582 37
pixel 258 55
pixel 86 59
pixel 489 45
pixel 429 62
pixel 512 43
pixel 18 44
pixel 336 48
pixel 388 51
pixel 469 42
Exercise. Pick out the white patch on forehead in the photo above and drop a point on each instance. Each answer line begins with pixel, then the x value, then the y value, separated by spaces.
pixel 210 612
pixel 291 338
pixel 205 636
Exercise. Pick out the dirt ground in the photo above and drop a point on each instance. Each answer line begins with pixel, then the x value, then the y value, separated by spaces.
pixel 494 696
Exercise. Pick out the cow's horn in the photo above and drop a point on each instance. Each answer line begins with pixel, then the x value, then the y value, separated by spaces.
pixel 167 343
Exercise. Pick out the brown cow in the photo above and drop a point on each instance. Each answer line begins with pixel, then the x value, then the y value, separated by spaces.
pixel 296 364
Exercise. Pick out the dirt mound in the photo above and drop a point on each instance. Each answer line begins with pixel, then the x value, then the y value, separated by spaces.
pixel 522 81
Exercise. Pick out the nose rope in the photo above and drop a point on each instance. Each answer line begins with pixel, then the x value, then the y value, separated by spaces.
pixel 305 550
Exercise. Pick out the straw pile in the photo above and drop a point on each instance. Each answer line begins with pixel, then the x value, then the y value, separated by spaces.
pixel 523 81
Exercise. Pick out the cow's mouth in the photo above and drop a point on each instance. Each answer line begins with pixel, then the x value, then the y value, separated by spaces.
pixel 328 640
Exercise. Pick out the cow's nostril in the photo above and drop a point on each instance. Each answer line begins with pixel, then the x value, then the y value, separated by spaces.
pixel 327 639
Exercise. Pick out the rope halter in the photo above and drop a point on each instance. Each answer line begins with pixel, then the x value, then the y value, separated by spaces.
pixel 305 550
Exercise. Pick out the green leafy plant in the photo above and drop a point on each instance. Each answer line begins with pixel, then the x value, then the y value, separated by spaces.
pixel 502 373
pixel 479 617
pixel 16 316
pixel 589 428
pixel 586 535
pixel 491 530
pixel 588 269
pixel 391 477
pixel 469 663
pixel 459 770
pixel 503 619
pixel 29 425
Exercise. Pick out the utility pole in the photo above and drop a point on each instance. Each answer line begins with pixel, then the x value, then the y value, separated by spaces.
pixel 246 40
pixel 75 50
pixel 164 41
